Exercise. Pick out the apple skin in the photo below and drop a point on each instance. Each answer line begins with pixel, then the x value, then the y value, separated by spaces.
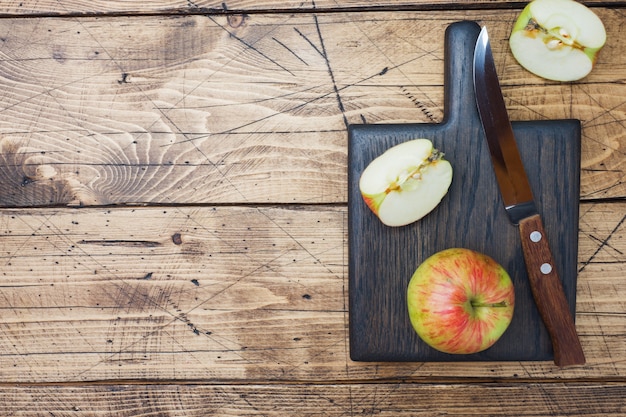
pixel 406 182
pixel 460 301
pixel 557 39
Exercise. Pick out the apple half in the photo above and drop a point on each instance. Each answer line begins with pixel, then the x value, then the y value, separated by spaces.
pixel 557 39
pixel 460 301
pixel 406 182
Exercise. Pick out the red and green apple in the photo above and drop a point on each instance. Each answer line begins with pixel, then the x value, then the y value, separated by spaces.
pixel 460 301
pixel 406 182
pixel 557 39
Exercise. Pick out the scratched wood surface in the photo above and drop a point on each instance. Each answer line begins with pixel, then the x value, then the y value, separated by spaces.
pixel 232 109
pixel 234 293
pixel 173 193
pixel 70 7
pixel 386 400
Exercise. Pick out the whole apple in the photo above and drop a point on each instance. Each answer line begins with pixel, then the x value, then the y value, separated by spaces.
pixel 406 182
pixel 557 39
pixel 460 301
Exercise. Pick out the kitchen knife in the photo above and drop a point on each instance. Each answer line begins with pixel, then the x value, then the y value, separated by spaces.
pixel 519 203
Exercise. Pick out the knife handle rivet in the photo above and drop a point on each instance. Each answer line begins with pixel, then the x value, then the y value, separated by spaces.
pixel 546 268
pixel 535 236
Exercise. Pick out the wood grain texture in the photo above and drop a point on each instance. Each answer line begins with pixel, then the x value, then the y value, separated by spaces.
pixel 204 268
pixel 235 294
pixel 548 292
pixel 388 400
pixel 32 7
pixel 219 109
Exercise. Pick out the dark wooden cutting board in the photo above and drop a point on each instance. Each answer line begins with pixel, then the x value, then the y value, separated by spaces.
pixel 382 259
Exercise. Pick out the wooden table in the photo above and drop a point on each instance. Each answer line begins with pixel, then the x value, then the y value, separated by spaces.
pixel 174 208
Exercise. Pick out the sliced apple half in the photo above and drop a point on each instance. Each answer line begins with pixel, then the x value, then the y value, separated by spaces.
pixel 557 39
pixel 406 182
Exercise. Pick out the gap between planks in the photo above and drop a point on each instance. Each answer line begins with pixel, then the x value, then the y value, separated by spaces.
pixel 203 11
pixel 441 381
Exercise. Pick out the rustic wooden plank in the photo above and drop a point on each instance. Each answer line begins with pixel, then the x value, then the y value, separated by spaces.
pixel 214 109
pixel 30 7
pixel 235 293
pixel 395 400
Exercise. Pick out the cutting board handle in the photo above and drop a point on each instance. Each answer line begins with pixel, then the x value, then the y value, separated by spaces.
pixel 459 97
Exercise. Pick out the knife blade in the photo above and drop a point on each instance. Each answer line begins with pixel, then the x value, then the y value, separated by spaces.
pixel 520 206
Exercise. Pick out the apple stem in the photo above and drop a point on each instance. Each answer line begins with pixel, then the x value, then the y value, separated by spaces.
pixel 532 25
pixel 435 155
pixel 500 304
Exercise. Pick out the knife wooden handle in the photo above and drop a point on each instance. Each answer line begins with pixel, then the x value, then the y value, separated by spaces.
pixel 548 293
